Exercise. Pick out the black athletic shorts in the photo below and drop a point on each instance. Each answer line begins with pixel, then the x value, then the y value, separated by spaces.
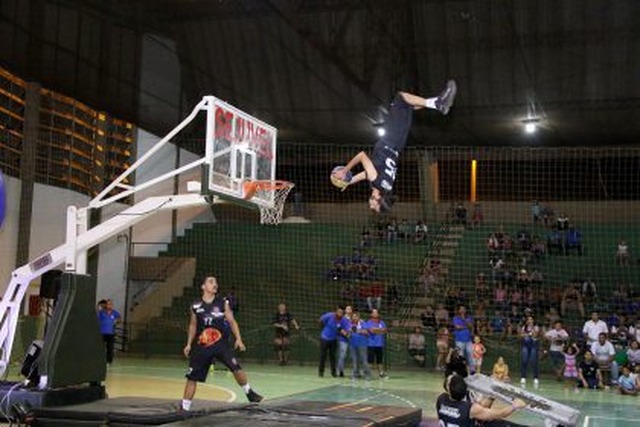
pixel 201 358
pixel 374 355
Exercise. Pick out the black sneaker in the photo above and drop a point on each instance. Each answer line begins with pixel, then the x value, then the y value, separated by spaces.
pixel 444 101
pixel 252 396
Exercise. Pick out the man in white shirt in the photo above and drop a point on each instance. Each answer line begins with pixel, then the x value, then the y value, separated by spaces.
pixel 604 354
pixel 557 338
pixel 593 328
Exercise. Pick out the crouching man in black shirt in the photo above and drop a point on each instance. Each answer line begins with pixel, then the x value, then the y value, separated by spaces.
pixel 455 409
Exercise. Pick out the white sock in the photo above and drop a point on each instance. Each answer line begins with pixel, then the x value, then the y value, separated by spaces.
pixel 431 103
pixel 186 404
pixel 246 388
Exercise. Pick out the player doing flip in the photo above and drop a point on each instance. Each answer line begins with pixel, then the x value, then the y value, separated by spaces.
pixel 380 168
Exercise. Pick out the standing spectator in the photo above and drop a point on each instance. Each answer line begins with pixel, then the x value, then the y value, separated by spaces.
pixel 530 335
pixel 209 316
pixel 477 217
pixel 557 338
pixel 570 364
pixel 478 353
pixel 462 333
pixel 573 240
pixel 283 321
pixel 332 323
pixel 535 212
pixel 377 332
pixel 108 318
pixel 589 374
pixel 562 221
pixel 234 304
pixel 593 328
pixel 442 344
pixel 604 354
pixel 358 343
pixel 622 254
pixel 343 340
pixel 417 346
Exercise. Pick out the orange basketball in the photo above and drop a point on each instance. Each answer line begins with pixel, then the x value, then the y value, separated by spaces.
pixel 249 190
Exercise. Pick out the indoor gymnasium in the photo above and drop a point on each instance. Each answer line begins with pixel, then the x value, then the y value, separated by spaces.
pixel 319 213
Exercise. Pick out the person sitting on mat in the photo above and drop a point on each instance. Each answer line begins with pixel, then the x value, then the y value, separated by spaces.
pixel 380 169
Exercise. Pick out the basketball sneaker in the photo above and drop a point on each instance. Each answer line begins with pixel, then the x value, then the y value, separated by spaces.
pixel 252 396
pixel 444 101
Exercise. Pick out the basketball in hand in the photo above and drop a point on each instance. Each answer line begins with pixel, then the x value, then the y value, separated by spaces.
pixel 340 182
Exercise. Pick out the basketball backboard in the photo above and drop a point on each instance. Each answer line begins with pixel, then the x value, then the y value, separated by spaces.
pixel 239 147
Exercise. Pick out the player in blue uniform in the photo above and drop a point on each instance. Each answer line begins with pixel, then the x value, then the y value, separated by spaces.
pixel 381 166
pixel 210 316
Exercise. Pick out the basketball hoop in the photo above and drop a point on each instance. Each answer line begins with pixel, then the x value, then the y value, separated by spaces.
pixel 270 215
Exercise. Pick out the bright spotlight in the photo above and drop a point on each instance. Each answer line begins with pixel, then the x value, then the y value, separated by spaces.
pixel 381 131
pixel 530 128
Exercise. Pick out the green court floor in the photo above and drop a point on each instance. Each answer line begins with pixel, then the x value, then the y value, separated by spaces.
pixel 408 387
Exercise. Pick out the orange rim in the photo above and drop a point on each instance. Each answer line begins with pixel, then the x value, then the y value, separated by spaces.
pixel 267 185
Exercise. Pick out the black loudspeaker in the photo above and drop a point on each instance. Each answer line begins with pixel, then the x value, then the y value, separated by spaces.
pixel 50 284
pixel 29 366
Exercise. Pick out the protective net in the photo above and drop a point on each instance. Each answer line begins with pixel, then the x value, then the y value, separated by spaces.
pixel 507 232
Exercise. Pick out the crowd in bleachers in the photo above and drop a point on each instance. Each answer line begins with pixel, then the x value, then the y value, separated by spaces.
pixel 513 290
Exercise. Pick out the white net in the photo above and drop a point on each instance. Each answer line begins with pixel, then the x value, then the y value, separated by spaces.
pixel 280 189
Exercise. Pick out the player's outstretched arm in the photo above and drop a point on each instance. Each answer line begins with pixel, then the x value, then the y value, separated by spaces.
pixel 481 413
pixel 367 165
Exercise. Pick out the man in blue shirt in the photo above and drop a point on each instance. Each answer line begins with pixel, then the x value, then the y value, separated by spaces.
pixel 463 334
pixel 333 323
pixel 377 331
pixel 358 343
pixel 107 319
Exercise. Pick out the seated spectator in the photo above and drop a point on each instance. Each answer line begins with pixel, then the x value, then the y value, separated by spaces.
pixel 589 375
pixel 538 248
pixel 420 232
pixel 374 300
pixel 627 383
pixel 417 346
pixel 593 328
pixel 348 294
pixel 493 245
pixel 604 354
pixel 428 318
pixel 524 239
pixel 589 291
pixel 555 241
pixel 392 231
pixel 393 297
pixel 442 344
pixel 571 298
pixel 622 254
pixel 500 297
pixel 404 230
pixel 483 293
pixel 477 217
pixel 633 354
pixel 498 266
pixel 573 240
pixel 442 316
pixel 365 238
pixel 501 371
pixel 461 214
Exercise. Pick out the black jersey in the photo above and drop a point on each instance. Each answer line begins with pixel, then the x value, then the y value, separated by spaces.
pixel 589 370
pixel 388 148
pixel 453 413
pixel 283 318
pixel 211 323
